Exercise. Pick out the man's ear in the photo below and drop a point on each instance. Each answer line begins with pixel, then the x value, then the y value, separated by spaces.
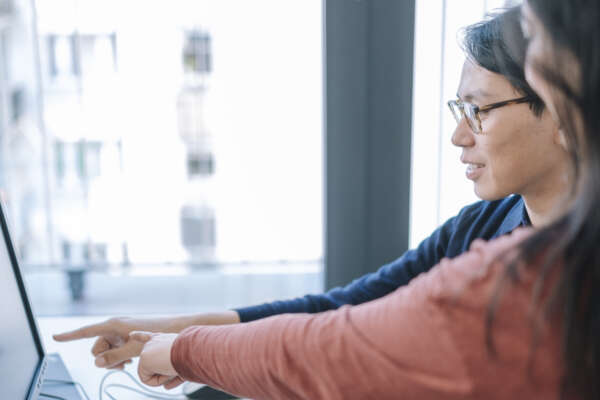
pixel 560 138
pixel 558 134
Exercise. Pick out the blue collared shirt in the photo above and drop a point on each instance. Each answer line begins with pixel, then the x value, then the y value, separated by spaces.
pixel 484 219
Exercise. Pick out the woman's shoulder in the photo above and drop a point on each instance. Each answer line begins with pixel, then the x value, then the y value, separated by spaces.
pixel 478 269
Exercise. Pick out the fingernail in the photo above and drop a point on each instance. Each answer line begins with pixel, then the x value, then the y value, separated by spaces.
pixel 100 361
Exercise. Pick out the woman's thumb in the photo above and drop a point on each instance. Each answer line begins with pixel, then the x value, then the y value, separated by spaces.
pixel 140 336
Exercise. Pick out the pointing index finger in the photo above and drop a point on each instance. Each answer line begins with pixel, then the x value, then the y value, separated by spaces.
pixel 84 332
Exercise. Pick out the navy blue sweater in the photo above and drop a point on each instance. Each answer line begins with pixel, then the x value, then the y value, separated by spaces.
pixel 484 219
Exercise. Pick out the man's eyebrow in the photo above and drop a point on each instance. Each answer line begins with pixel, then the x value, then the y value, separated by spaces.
pixel 477 94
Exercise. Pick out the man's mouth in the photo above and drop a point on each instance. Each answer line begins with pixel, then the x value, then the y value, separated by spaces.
pixel 473 167
pixel 474 170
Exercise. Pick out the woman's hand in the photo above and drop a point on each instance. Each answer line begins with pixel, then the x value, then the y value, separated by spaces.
pixel 113 348
pixel 155 367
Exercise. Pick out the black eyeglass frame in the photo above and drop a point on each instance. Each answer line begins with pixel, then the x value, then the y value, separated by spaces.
pixel 476 110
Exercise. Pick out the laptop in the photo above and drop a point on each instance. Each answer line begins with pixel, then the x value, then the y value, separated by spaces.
pixel 26 371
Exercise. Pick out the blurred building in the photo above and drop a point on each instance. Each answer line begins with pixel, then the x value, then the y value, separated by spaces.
pixel 79 73
pixel 23 171
pixel 125 142
pixel 198 223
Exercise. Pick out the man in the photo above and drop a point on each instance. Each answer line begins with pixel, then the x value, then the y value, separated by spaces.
pixel 510 145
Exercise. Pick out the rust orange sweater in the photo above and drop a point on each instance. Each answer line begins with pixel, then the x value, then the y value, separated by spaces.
pixel 424 341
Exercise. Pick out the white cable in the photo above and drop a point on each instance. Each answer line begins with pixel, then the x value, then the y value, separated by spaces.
pixel 159 396
pixel 144 390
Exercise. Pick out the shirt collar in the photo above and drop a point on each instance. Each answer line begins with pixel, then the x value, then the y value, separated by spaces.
pixel 516 217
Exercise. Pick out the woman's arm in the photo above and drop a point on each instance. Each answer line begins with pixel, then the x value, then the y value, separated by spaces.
pixel 403 345
pixel 400 344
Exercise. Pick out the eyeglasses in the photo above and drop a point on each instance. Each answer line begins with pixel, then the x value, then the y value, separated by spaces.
pixel 461 109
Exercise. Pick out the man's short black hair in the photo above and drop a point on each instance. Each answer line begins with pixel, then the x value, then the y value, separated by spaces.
pixel 486 43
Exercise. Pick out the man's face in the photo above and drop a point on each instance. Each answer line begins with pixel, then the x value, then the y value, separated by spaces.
pixel 517 152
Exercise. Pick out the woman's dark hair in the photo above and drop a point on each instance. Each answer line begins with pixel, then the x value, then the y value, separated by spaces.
pixel 486 44
pixel 570 248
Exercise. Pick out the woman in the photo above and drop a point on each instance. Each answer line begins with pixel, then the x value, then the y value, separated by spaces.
pixel 563 66
pixel 525 326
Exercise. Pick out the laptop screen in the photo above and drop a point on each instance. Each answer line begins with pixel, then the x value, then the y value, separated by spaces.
pixel 19 355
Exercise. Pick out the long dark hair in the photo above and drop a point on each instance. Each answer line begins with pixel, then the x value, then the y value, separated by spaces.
pixel 569 249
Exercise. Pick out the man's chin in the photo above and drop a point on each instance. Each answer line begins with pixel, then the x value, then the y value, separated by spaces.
pixel 487 194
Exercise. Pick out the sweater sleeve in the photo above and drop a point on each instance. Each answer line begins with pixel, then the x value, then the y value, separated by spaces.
pixel 368 287
pixel 399 344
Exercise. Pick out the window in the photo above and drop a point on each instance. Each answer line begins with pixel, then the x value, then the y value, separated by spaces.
pixel 184 140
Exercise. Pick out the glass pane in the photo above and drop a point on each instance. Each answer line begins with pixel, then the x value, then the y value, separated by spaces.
pixel 23 162
pixel 183 142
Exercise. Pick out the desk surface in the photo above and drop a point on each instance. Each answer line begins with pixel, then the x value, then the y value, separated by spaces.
pixel 79 360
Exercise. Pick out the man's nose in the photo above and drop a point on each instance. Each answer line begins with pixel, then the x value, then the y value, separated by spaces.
pixel 463 135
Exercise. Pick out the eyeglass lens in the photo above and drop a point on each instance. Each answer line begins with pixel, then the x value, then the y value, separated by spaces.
pixel 468 111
